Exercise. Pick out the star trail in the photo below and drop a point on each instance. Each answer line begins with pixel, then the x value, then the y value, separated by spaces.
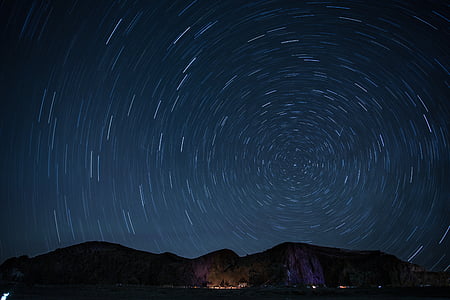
pixel 191 126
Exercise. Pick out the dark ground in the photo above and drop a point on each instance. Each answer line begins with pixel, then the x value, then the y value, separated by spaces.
pixel 139 292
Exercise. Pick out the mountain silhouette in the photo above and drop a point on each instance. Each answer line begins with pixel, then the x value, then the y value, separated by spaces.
pixel 287 264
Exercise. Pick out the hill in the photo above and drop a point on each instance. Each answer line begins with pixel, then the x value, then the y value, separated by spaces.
pixel 287 264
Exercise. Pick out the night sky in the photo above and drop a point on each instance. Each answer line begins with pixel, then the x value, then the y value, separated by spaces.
pixel 191 126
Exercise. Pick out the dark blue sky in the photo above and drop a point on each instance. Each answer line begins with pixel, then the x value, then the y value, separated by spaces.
pixel 190 126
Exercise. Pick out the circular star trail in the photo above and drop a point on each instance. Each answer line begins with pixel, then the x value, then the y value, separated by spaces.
pixel 190 126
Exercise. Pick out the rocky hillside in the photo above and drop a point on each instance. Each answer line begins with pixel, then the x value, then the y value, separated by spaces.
pixel 286 264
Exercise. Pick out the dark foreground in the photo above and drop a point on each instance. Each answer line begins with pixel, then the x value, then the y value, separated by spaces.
pixel 138 292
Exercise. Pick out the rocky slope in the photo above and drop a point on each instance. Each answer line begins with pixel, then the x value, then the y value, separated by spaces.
pixel 285 264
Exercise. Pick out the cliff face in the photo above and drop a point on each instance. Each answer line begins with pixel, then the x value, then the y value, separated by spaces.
pixel 285 264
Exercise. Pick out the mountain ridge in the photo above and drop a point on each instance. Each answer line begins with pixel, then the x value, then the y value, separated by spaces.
pixel 285 264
